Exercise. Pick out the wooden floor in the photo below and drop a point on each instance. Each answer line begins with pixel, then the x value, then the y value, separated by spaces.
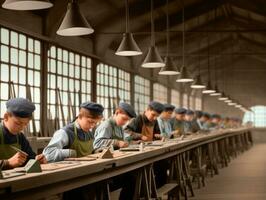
pixel 243 179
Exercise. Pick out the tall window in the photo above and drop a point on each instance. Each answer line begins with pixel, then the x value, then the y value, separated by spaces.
pixel 198 103
pixel 124 86
pixel 175 98
pixel 107 88
pixel 185 100
pixel 159 93
pixel 113 86
pixel 69 84
pixel 20 71
pixel 142 93
pixel 191 102
pixel 257 116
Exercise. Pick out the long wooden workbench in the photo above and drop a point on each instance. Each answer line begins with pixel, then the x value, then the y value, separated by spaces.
pixel 47 183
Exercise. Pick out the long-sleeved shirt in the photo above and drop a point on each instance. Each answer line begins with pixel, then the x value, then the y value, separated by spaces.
pixel 4 164
pixel 177 125
pixel 107 133
pixel 165 127
pixel 10 138
pixel 134 128
pixel 59 146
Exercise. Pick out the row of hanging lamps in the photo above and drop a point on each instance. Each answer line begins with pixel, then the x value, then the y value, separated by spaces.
pixel 208 89
pixel 74 23
pixel 27 4
pixel 153 58
pixel 223 97
pixel 184 76
pixel 169 68
pixel 128 46
pixel 197 84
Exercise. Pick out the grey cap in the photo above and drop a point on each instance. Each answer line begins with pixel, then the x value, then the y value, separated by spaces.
pixel 94 107
pixel 20 107
pixel 156 106
pixel 168 107
pixel 189 112
pixel 180 111
pixel 129 110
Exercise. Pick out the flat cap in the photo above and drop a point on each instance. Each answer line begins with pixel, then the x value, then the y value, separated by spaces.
pixel 189 112
pixel 93 107
pixel 156 106
pixel 205 114
pixel 168 107
pixel 20 107
pixel 180 111
pixel 216 116
pixel 128 109
pixel 198 113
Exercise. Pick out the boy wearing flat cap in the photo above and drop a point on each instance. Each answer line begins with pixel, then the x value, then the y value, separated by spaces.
pixel 76 138
pixel 110 132
pixel 145 126
pixel 16 118
pixel 177 122
pixel 164 121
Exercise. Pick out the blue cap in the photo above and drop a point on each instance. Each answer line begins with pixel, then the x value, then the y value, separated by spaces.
pixel 156 106
pixel 20 107
pixel 129 110
pixel 168 107
pixel 96 108
pixel 205 114
pixel 216 116
pixel 198 113
pixel 190 112
pixel 180 111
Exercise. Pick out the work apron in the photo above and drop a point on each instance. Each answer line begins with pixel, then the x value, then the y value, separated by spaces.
pixel 6 151
pixel 82 148
pixel 147 130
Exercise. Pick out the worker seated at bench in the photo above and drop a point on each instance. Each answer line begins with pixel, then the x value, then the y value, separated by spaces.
pixel 75 139
pixel 145 126
pixel 111 132
pixel 16 118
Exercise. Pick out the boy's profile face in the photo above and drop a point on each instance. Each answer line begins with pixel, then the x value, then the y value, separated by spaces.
pixel 15 124
pixel 151 115
pixel 121 118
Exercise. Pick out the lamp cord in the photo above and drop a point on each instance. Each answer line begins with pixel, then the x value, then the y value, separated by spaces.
pixel 127 17
pixel 152 26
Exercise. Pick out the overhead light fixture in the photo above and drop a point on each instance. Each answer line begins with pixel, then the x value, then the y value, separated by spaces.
pixel 169 68
pixel 228 101
pixel 208 89
pixel 232 104
pixel 198 83
pixel 223 97
pixel 216 93
pixel 153 58
pixel 27 4
pixel 238 106
pixel 184 77
pixel 74 23
pixel 128 46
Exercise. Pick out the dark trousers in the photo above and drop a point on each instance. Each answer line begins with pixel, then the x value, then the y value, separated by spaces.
pixel 160 171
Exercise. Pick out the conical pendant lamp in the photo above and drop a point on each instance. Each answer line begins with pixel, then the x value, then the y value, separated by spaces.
pixel 198 83
pixel 27 4
pixel 223 97
pixel 74 23
pixel 169 68
pixel 184 76
pixel 208 89
pixel 128 46
pixel 216 93
pixel 152 58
